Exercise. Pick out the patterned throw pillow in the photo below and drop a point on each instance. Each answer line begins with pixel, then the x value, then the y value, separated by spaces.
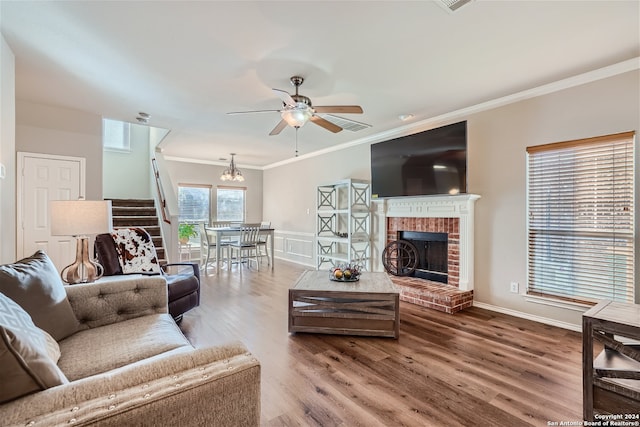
pixel 53 349
pixel 25 366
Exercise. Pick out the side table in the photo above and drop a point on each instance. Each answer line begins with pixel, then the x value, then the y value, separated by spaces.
pixel 611 381
pixel 184 249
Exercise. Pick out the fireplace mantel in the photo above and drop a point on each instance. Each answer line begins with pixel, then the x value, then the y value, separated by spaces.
pixel 459 206
pixel 431 206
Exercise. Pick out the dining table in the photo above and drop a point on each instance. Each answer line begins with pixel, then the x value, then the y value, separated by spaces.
pixel 233 231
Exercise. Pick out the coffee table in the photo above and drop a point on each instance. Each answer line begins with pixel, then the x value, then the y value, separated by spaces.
pixel 367 307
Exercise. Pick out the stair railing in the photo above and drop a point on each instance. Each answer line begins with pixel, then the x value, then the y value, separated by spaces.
pixel 163 201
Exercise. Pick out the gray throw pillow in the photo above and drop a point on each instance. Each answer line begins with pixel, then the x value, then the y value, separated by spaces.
pixel 25 365
pixel 34 283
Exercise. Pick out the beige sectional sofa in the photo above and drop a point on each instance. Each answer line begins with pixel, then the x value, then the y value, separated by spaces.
pixel 128 363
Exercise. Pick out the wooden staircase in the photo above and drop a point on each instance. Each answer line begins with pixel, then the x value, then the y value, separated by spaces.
pixel 139 213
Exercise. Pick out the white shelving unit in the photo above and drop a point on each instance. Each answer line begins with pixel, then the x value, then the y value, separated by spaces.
pixel 343 229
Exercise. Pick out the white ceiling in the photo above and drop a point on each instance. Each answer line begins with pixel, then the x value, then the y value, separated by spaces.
pixel 189 63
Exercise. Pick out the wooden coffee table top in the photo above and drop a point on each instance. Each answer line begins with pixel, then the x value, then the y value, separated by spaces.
pixel 314 280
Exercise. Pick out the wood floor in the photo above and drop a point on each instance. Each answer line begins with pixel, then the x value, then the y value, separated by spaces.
pixel 473 368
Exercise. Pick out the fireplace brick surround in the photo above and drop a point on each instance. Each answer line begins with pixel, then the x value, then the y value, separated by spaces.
pixel 453 215
pixel 451 226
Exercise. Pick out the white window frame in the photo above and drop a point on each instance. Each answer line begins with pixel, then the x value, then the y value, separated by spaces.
pixel 581 201
pixel 124 144
pixel 207 219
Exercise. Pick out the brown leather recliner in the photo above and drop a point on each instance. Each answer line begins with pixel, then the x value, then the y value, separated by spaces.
pixel 131 251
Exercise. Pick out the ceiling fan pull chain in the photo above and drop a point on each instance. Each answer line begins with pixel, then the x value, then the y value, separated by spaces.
pixel 297 127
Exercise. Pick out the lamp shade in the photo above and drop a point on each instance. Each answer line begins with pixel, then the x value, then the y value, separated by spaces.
pixel 80 217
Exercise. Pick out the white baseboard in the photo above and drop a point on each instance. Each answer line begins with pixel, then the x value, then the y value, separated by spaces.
pixel 540 319
pixel 312 266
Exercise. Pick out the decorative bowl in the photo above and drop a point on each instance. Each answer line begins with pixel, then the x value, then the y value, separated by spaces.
pixel 345 273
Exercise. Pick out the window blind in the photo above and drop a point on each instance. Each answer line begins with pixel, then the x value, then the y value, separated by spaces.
pixel 581 219
pixel 230 203
pixel 194 202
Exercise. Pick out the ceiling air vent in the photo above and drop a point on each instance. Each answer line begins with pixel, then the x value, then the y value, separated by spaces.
pixel 452 5
pixel 345 124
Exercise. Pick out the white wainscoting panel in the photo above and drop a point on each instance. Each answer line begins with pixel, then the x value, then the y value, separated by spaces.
pixel 295 246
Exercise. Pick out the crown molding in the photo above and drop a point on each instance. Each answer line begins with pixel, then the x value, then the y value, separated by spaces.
pixel 211 162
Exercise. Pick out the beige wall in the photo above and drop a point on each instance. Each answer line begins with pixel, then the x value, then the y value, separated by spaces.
pixel 203 174
pixel 290 190
pixel 7 154
pixel 496 170
pixel 290 198
pixel 61 131
pixel 128 175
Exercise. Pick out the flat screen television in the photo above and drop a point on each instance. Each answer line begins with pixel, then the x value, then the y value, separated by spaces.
pixel 426 163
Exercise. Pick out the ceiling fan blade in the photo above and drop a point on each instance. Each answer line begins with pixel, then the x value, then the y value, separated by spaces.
pixel 325 124
pixel 344 123
pixel 286 98
pixel 350 109
pixel 252 111
pixel 276 130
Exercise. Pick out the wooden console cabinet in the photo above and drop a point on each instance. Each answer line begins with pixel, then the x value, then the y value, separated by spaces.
pixel 611 381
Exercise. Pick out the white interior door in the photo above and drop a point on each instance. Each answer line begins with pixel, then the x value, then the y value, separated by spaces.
pixel 44 178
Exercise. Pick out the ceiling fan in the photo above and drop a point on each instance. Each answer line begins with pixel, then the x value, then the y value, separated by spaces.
pixel 298 110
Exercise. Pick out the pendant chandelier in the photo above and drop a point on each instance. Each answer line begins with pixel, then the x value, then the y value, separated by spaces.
pixel 232 173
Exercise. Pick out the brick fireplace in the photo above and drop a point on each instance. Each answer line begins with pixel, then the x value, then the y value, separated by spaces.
pixel 449 226
pixel 453 215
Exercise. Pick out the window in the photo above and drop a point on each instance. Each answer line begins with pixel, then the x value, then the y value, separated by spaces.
pixel 231 204
pixel 116 135
pixel 581 219
pixel 194 203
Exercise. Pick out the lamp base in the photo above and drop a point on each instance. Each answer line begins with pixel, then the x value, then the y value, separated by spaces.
pixel 83 270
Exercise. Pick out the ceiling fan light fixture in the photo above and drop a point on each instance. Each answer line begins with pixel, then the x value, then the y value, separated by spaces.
pixel 232 173
pixel 296 117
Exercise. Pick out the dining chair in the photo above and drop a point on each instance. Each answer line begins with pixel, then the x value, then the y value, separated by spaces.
pixel 222 224
pixel 263 250
pixel 208 246
pixel 217 224
pixel 246 248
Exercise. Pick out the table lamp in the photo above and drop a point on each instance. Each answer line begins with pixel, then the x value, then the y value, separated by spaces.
pixel 81 218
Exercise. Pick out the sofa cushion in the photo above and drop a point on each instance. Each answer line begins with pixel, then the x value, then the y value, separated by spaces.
pixel 119 344
pixel 34 283
pixel 25 366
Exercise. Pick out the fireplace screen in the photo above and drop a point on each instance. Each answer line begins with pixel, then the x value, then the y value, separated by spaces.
pixel 432 260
